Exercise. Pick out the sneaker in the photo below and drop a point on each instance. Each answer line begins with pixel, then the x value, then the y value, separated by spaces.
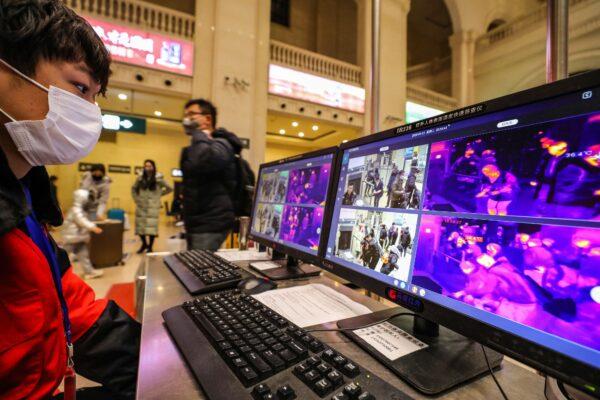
pixel 95 274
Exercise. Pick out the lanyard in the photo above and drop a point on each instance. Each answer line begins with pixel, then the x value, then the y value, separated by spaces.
pixel 40 238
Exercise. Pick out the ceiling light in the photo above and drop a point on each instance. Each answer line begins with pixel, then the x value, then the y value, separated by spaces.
pixel 345 141
pixel 301 134
pixel 315 127
pixel 282 131
pixel 157 113
pixel 122 96
pixel 294 124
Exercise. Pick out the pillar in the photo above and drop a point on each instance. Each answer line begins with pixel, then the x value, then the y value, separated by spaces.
pixel 231 66
pixel 392 60
pixel 463 62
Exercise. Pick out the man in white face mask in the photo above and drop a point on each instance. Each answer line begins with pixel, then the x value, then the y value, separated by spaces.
pixel 52 66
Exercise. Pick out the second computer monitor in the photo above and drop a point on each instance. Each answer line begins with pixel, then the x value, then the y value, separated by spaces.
pixel 290 201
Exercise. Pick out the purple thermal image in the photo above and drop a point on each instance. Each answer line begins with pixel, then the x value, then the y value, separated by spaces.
pixel 309 185
pixel 542 276
pixel 544 170
pixel 302 225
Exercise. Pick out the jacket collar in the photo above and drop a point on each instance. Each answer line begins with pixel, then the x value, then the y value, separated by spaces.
pixel 13 205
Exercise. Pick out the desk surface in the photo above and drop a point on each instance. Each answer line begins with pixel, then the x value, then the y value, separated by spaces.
pixel 163 373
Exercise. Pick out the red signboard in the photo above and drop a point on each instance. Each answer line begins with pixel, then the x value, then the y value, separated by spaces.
pixel 145 49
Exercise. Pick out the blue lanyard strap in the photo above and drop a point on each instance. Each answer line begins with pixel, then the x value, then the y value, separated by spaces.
pixel 40 238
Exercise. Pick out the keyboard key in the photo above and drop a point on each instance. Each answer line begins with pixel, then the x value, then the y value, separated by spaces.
pixel 323 369
pixel 260 390
pixel 286 392
pixel 245 349
pixel 323 387
pixel 259 364
pixel 340 396
pixel 352 390
pixel 329 354
pixel 366 396
pixel 278 347
pixel 274 360
pixel 351 370
pixel 339 361
pixel 336 378
pixel 285 339
pixel 311 377
pixel 288 356
pixel 248 376
pixel 270 341
pixel 260 348
pixel 298 349
pixel 315 346
pixel 231 354
pixel 301 369
pixel 239 362
pixel 224 345
pixel 313 361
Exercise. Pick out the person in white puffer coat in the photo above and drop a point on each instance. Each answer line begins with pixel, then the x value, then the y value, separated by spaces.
pixel 76 232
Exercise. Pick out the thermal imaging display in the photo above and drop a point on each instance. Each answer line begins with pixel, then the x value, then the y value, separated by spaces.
pixel 495 216
pixel 542 276
pixel 541 170
pixel 290 202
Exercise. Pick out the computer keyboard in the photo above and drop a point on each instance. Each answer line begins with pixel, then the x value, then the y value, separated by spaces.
pixel 202 271
pixel 238 348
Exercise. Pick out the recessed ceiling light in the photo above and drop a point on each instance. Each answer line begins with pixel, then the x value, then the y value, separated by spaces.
pixel 157 113
pixel 294 124
pixel 282 131
pixel 345 141
pixel 122 96
pixel 315 127
pixel 301 134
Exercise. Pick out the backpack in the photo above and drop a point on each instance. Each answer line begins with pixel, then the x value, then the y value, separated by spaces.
pixel 243 192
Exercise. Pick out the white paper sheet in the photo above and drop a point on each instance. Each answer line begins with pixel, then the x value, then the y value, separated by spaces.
pixel 243 255
pixel 312 304
pixel 390 340
pixel 264 265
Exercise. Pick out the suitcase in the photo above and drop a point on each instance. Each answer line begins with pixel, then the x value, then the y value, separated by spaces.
pixel 116 212
pixel 106 249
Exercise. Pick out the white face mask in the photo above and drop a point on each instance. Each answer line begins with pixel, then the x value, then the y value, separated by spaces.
pixel 68 133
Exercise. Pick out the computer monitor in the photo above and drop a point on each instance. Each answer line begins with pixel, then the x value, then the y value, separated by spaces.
pixel 485 220
pixel 288 210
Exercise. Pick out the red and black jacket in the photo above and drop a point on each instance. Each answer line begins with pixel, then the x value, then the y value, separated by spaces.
pixel 32 339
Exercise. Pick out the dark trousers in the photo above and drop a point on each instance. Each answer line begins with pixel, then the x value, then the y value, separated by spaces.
pixel 205 241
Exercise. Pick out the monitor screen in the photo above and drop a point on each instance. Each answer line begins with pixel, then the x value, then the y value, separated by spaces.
pixel 290 202
pixel 496 217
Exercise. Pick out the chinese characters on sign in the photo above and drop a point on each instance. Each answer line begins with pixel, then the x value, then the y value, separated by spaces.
pixel 145 49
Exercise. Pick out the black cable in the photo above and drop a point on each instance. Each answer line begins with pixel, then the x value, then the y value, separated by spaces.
pixel 362 326
pixel 487 361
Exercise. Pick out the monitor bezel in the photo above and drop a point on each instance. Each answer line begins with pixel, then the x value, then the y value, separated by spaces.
pixel 283 248
pixel 547 360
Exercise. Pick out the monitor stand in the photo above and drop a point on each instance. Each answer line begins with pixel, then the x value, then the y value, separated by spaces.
pixel 556 390
pixel 291 268
pixel 449 360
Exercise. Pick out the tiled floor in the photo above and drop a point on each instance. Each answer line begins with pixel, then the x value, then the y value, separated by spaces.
pixel 126 273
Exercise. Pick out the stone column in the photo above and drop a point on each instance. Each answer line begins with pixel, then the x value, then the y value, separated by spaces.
pixel 231 66
pixel 463 62
pixel 392 61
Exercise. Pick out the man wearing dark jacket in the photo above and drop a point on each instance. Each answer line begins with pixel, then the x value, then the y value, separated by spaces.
pixel 209 177
pixel 50 321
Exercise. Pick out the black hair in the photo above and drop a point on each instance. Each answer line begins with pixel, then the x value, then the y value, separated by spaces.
pixel 98 167
pixel 207 108
pixel 53 178
pixel 147 182
pixel 34 30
